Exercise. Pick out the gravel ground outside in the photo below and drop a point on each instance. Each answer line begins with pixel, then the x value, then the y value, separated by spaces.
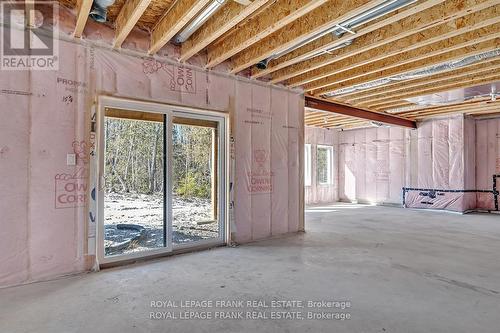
pixel 143 218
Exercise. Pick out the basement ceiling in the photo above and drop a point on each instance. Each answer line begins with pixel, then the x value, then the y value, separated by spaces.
pixel 375 55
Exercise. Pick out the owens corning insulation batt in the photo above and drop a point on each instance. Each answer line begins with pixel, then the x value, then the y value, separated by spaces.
pixel 47 115
pixel 447 163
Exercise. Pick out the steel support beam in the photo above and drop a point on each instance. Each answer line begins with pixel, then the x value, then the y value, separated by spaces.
pixel 328 106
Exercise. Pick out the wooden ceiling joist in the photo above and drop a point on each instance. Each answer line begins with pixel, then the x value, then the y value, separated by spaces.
pixel 473 81
pixel 181 12
pixel 446 108
pixel 83 10
pixel 445 84
pixel 396 104
pixel 425 56
pixel 329 41
pixel 478 109
pixel 278 15
pixel 225 19
pixel 366 95
pixel 311 24
pixel 369 54
pixel 126 20
pixel 325 105
pixel 387 68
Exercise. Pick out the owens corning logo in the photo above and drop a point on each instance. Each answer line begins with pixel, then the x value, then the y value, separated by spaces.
pixel 24 45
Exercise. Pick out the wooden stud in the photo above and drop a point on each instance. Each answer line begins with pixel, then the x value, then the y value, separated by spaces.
pixel 181 12
pixel 226 18
pixel 309 25
pixel 278 15
pixel 83 9
pixel 368 54
pixel 126 20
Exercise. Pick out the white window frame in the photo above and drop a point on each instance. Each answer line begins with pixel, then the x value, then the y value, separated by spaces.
pixel 307 164
pixel 329 164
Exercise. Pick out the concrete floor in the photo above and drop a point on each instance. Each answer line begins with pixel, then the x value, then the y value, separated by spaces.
pixel 402 271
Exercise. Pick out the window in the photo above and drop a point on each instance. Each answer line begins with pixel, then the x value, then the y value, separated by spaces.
pixel 324 156
pixel 307 165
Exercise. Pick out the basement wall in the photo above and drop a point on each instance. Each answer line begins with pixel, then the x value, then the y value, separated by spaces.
pixel 47 115
pixel 444 164
pixel 371 165
pixel 487 154
pixel 317 193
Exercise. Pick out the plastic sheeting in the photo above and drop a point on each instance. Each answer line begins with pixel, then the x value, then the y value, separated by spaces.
pixel 316 193
pixel 46 115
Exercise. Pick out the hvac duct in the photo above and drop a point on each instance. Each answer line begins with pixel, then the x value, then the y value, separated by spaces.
pixel 99 10
pixel 431 70
pixel 370 15
pixel 341 28
pixel 198 21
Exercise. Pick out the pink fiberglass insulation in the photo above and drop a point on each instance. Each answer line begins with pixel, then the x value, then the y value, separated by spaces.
pixel 371 165
pixel 438 161
pixel 447 163
pixel 488 160
pixel 317 193
pixel 46 115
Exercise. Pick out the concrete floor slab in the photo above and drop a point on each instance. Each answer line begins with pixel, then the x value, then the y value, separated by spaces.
pixel 402 270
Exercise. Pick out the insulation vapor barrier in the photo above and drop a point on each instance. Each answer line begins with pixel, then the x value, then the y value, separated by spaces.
pixel 47 230
pixel 448 164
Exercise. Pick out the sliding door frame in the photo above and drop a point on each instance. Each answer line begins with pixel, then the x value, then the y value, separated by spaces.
pixel 169 111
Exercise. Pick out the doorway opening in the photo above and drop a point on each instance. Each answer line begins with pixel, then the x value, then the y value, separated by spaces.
pixel 162 179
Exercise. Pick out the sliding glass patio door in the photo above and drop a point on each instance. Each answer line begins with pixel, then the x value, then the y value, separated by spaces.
pixel 162 179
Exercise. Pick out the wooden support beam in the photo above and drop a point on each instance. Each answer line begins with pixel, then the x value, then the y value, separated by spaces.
pixel 384 69
pixel 315 52
pixel 83 10
pixel 368 54
pixel 177 17
pixel 366 95
pixel 126 20
pixel 315 22
pixel 231 14
pixel 278 15
pixel 325 105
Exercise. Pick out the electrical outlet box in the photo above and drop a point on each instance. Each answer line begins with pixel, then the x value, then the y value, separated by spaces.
pixel 71 159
